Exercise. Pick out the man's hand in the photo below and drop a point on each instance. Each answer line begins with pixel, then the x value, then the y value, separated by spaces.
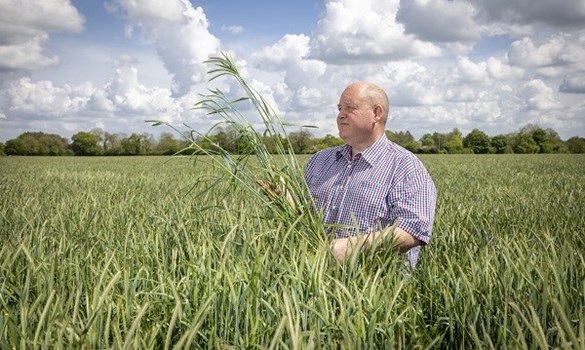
pixel 269 189
pixel 341 249
pixel 276 191
pixel 401 240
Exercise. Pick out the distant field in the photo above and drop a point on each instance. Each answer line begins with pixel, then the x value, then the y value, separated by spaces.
pixel 129 252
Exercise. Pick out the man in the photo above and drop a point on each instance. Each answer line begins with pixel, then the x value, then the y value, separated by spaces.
pixel 369 183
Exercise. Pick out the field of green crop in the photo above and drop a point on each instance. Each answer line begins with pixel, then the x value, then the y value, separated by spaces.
pixel 132 253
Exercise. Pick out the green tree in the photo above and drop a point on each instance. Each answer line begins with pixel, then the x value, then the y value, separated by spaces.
pixel 14 147
pixel 524 143
pixel 401 138
pixel 499 144
pixel 2 149
pixel 327 141
pixel 224 138
pixel 86 144
pixel 136 144
pixel 440 141
pixel 576 144
pixel 540 136
pixel 428 144
pixel 272 141
pixel 547 140
pixel 112 143
pixel 556 143
pixel 454 142
pixel 245 141
pixel 167 144
pixel 37 144
pixel 301 141
pixel 477 141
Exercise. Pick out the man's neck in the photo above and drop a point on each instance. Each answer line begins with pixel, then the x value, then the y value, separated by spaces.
pixel 359 148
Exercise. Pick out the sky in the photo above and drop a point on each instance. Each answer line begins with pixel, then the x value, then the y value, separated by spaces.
pixel 496 65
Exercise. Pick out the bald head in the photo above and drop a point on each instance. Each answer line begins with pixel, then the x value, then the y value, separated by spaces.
pixel 373 95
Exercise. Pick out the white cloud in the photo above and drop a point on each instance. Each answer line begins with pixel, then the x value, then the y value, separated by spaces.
pixel 539 96
pixel 295 89
pixel 41 98
pixel 121 101
pixel 499 69
pixel 398 71
pixel 289 57
pixel 439 20
pixel 26 55
pixel 574 83
pixel 357 31
pixel 469 72
pixel 180 34
pixel 462 94
pixel 24 26
pixel 558 50
pixel 309 97
pixel 558 13
pixel 290 48
pixel 409 84
pixel 233 29
pixel 21 20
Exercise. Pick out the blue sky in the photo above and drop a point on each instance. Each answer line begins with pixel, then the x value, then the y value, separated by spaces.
pixel 497 65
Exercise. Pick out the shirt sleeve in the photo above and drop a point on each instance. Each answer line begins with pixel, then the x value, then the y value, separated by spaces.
pixel 414 203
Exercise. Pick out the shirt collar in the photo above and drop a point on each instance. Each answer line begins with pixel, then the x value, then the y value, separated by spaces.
pixel 369 154
pixel 343 152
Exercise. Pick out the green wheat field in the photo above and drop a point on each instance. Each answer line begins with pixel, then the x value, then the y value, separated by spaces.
pixel 154 252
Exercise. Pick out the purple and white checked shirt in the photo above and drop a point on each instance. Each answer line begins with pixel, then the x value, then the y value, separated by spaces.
pixel 381 184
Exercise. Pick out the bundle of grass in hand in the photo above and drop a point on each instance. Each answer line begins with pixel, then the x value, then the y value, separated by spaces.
pixel 277 182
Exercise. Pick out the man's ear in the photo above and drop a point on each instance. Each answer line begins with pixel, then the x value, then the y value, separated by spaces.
pixel 378 113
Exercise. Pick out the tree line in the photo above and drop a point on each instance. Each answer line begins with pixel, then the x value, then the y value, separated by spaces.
pixel 97 142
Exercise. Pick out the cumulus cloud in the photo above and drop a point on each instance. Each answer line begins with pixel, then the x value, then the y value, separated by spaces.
pixel 559 13
pixel 500 69
pixel 26 55
pixel 290 48
pixel 409 84
pixel 24 27
pixel 574 83
pixel 462 23
pixel 41 98
pixel 539 96
pixel 178 31
pixel 439 20
pixel 122 100
pixel 130 97
pixel 290 56
pixel 470 72
pixel 355 31
pixel 299 74
pixel 558 50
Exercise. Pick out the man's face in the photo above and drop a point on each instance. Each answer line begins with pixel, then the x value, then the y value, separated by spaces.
pixel 355 119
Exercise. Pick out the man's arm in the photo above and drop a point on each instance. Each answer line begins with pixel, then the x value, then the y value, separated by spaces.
pixel 400 239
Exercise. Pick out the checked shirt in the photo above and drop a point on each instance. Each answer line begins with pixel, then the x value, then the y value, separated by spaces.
pixel 378 186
